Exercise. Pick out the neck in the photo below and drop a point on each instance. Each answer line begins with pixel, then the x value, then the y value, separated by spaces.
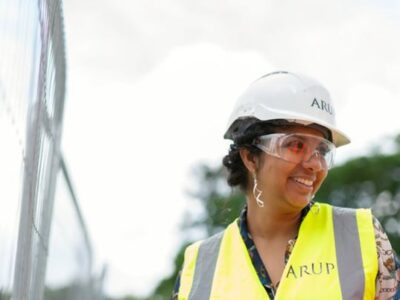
pixel 271 222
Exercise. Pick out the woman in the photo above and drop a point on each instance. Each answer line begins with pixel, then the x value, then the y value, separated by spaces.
pixel 285 246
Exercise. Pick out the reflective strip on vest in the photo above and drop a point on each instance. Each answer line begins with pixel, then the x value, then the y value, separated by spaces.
pixel 205 267
pixel 348 253
pixel 343 264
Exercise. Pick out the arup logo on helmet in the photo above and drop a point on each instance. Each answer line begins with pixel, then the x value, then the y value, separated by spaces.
pixel 322 105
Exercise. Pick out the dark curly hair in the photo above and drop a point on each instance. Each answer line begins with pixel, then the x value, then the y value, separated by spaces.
pixel 237 172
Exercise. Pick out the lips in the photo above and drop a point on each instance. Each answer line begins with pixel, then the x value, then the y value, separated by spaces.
pixel 306 182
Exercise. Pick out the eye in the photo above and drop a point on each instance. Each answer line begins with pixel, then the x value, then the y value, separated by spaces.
pixel 295 145
pixel 323 149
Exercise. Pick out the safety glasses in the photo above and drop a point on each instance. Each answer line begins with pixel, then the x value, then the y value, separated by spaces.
pixel 297 148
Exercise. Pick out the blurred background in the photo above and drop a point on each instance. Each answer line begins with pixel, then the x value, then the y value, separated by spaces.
pixel 112 115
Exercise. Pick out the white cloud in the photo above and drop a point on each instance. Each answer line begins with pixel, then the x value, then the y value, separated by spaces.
pixel 131 148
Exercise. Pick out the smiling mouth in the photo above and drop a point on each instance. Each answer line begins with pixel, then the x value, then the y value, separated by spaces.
pixel 306 182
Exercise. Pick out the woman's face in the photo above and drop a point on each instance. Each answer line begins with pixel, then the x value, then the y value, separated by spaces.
pixel 290 185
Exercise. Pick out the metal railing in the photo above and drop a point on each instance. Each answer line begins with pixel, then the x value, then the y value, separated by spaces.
pixel 32 92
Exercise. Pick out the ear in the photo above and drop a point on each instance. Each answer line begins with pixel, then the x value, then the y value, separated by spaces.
pixel 250 160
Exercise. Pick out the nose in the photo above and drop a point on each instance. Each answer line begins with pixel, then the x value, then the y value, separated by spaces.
pixel 314 162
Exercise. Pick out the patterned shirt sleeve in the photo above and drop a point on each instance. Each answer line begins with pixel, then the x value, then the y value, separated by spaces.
pixel 388 278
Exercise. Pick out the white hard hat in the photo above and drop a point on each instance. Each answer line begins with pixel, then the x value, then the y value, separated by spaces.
pixel 286 96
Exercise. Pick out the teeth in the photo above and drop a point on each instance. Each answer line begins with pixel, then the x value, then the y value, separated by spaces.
pixel 304 181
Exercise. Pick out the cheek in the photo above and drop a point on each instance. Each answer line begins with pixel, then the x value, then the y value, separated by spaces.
pixel 269 176
pixel 277 175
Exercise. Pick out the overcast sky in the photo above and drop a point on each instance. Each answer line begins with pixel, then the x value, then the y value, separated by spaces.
pixel 151 85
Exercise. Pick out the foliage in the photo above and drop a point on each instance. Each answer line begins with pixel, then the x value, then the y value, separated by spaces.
pixel 62 293
pixel 4 295
pixel 73 290
pixel 220 204
pixel 372 181
pixel 125 298
pixel 165 287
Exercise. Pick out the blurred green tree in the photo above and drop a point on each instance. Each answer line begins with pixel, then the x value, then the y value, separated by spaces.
pixel 125 298
pixel 371 182
pixel 4 295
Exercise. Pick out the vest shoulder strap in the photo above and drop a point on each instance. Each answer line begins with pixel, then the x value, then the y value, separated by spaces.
pixel 199 267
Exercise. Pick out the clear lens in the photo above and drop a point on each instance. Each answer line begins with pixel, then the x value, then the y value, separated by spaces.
pixel 297 148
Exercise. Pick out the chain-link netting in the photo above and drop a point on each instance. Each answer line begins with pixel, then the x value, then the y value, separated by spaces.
pixel 32 89
pixel 19 64
pixel 70 271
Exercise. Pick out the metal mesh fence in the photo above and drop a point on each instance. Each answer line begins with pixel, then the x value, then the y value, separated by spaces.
pixel 32 89
pixel 19 62
pixel 69 273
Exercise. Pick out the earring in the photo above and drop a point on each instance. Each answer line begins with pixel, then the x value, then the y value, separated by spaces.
pixel 257 193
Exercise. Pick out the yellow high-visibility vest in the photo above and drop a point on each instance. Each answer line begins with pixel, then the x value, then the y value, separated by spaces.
pixel 334 258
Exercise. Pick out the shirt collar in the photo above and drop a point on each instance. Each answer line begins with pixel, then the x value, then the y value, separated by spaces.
pixel 242 221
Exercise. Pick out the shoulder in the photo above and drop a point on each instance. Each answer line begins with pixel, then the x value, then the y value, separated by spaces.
pixel 215 238
pixel 379 231
pixel 339 210
pixel 210 244
pixel 349 211
pixel 360 216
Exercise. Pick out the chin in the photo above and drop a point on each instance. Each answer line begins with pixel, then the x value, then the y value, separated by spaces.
pixel 299 202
